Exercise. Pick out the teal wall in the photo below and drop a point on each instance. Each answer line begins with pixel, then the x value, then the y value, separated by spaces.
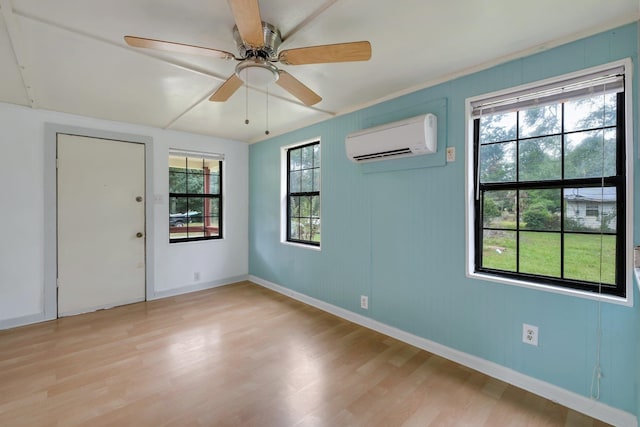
pixel 399 237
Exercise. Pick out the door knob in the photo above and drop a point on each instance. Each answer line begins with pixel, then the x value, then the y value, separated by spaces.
pixel 139 199
pixel 139 234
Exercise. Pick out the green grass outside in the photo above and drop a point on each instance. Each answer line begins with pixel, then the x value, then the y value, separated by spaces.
pixel 540 254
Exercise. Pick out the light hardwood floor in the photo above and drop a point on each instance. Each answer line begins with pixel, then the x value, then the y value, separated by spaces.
pixel 241 355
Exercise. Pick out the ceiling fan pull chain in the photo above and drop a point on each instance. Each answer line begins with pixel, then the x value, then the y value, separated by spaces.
pixel 266 132
pixel 246 104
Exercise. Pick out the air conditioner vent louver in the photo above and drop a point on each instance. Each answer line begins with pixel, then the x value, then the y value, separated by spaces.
pixel 390 153
pixel 405 138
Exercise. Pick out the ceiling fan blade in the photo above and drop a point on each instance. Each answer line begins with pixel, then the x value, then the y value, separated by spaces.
pixel 297 88
pixel 176 47
pixel 341 52
pixel 247 16
pixel 227 89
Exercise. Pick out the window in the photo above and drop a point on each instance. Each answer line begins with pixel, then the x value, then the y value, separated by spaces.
pixel 195 196
pixel 592 209
pixel 549 184
pixel 303 194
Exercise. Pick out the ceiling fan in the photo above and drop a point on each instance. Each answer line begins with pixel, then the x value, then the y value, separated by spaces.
pixel 258 43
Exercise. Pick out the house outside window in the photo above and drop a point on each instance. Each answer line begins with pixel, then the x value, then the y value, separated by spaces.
pixel 195 196
pixel 549 184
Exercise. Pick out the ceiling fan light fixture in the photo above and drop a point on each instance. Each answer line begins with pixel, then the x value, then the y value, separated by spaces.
pixel 257 72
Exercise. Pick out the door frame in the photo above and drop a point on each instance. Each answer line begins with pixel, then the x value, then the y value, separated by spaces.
pixel 51 130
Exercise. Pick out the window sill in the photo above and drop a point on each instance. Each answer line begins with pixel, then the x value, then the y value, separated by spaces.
pixel 546 288
pixel 301 245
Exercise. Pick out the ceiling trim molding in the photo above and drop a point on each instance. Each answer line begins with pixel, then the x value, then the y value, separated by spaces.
pixel 149 54
pixel 189 108
pixel 17 46
pixel 306 21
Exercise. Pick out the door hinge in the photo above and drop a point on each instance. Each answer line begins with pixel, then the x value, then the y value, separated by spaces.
pixel 57 282
pixel 57 163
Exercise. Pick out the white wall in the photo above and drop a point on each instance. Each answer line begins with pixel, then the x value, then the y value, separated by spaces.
pixel 22 213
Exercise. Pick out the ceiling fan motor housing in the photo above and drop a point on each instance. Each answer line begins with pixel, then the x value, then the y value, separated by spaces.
pixel 269 51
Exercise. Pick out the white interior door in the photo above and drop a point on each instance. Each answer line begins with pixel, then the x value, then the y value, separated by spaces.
pixel 101 223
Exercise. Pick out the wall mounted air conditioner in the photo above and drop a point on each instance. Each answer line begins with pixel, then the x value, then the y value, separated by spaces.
pixel 405 138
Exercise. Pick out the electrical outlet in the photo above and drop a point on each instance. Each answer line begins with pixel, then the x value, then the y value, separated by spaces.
pixel 196 276
pixel 364 302
pixel 451 154
pixel 530 334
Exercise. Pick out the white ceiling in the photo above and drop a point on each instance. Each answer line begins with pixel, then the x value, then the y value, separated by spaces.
pixel 70 56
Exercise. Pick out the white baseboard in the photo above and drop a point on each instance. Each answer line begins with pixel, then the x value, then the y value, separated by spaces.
pixel 22 321
pixel 198 287
pixel 549 391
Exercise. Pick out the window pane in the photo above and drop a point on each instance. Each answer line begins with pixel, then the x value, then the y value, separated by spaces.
pixel 294 182
pixel 179 234
pixel 316 156
pixel 305 206
pixel 590 154
pixel 540 253
pixel 177 181
pixel 195 164
pixel 211 207
pixel 498 162
pixel 307 180
pixel 590 209
pixel 177 205
pixel 499 250
pixel 540 159
pixel 497 128
pixel 178 219
pixel 195 182
pixel 539 121
pixel 316 180
pixel 214 183
pixel 583 254
pixel 294 226
pixel 307 157
pixel 305 228
pixel 589 113
pixel 315 206
pixel 498 209
pixel 193 234
pixel 177 162
pixel 211 226
pixel 540 209
pixel 295 159
pixel 294 206
pixel 212 222
pixel 196 209
pixel 315 218
pixel 212 166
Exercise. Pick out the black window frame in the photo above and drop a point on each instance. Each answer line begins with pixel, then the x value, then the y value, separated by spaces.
pixel 618 181
pixel 291 194
pixel 187 195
